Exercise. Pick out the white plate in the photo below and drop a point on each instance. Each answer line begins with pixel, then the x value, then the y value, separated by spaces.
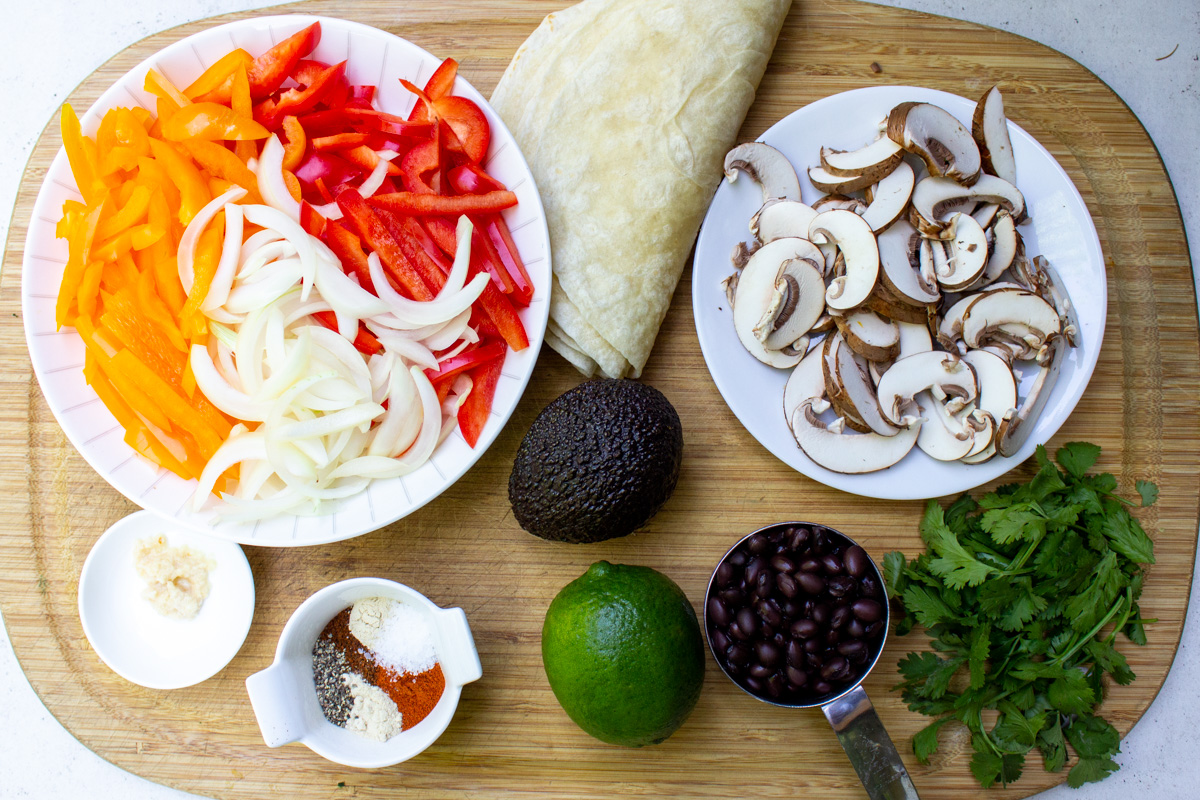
pixel 1060 229
pixel 374 57
pixel 137 642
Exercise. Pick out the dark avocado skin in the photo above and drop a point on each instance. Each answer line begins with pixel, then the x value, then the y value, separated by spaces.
pixel 597 463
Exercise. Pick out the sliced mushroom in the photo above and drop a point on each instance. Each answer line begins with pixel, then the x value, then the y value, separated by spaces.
pixel 1009 311
pixel 1052 289
pixel 807 381
pixel 986 214
pixel 766 166
pixel 780 218
pixel 898 247
pixel 741 254
pixel 838 184
pixel 859 393
pixel 889 197
pixel 944 373
pixel 932 197
pixel 756 292
pixel 997 394
pixel 884 303
pixel 870 335
pixel 846 453
pixel 878 159
pixel 989 127
pixel 796 303
pixel 942 142
pixel 944 435
pixel 1003 249
pixel 966 253
pixel 856 242
pixel 1018 423
pixel 831 202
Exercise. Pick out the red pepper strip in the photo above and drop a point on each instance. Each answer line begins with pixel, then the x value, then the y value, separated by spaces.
pixel 308 70
pixel 471 179
pixel 413 230
pixel 323 190
pixel 483 324
pixel 423 204
pixel 362 94
pixel 441 82
pixel 431 271
pixel 268 72
pixel 443 232
pixel 473 413
pixel 484 257
pixel 364 340
pixel 423 110
pixel 328 167
pixel 297 101
pixel 506 251
pixel 312 222
pixel 381 240
pixel 366 159
pixel 340 141
pixel 421 159
pixel 336 120
pixel 464 361
pixel 348 248
pixel 468 122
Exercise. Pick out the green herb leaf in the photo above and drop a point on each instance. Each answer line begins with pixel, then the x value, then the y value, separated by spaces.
pixel 1093 736
pixel 1078 457
pixel 1071 693
pixel 955 565
pixel 1089 770
pixel 894 564
pixel 925 741
pixel 1054 748
pixel 1017 522
pixel 928 607
pixel 1126 536
pixel 1148 491
pixel 978 655
pixel 987 767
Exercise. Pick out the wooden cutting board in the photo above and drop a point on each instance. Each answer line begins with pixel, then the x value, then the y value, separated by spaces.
pixel 510 738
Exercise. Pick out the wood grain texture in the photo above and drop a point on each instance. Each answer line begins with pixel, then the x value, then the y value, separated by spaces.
pixel 510 738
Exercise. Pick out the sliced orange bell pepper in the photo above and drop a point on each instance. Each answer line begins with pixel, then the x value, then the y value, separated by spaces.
pixel 294 143
pixel 82 166
pixel 209 121
pixel 243 106
pixel 193 188
pixel 153 307
pixel 208 255
pixel 79 249
pixel 216 76
pixel 131 213
pixel 173 404
pixel 224 164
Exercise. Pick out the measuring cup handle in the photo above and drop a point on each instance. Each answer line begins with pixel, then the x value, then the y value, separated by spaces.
pixel 871 751
pixel 461 663
pixel 275 700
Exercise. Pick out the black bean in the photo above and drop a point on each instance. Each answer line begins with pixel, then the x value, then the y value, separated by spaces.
pixel 841 585
pixel 857 562
pixel 804 628
pixel 775 685
pixel 795 652
pixel 755 685
pixel 820 542
pixel 836 669
pixel 819 613
pixel 852 648
pixel 738 654
pixel 868 610
pixel 765 584
pixel 769 613
pixel 768 653
pixel 812 646
pixel 759 671
pixel 720 641
pixel 718 612
pixel 799 538
pixel 874 629
pixel 777 535
pixel 757 544
pixel 810 565
pixel 821 687
pixel 832 638
pixel 782 564
pixel 747 620
pixel 841 615
pixel 796 677
pixel 811 582
pixel 868 585
pixel 855 629
pixel 790 609
pixel 737 558
pixel 787 585
pixel 767 632
pixel 831 564
pixel 815 660
pixel 732 597
pixel 736 632
pixel 753 570
pixel 725 574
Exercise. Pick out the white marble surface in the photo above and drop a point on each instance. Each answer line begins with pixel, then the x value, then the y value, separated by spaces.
pixel 49 46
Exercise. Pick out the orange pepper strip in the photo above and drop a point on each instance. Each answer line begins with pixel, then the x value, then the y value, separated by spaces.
pixel 130 131
pixel 159 257
pixel 172 403
pixel 210 121
pixel 142 336
pixel 79 248
pixel 294 144
pixel 154 307
pixel 220 72
pixel 208 255
pixel 142 236
pixel 242 105
pixel 89 289
pixel 293 185
pixel 133 212
pixel 161 87
pixel 193 189
pixel 152 172
pixel 82 165
pixel 222 163
pixel 114 248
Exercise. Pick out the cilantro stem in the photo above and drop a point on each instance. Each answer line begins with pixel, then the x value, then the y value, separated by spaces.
pixel 1025 554
pixel 1060 660
pixel 1124 617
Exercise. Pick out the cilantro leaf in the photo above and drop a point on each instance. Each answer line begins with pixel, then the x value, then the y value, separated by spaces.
pixel 1148 491
pixel 928 676
pixel 1092 736
pixel 1016 733
pixel 1105 581
pixel 1017 522
pixel 955 565
pixel 1054 748
pixel 987 767
pixel 1077 457
pixel 1126 535
pixel 893 572
pixel 925 741
pixel 928 607
pixel 978 654
pixel 1089 770
pixel 1071 693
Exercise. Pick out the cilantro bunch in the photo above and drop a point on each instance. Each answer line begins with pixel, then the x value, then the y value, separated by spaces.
pixel 1024 593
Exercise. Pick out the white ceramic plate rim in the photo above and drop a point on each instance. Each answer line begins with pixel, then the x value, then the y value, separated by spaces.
pixel 100 578
pixel 1061 229
pixel 377 57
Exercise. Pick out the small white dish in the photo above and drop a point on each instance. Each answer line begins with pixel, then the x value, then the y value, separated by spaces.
pixel 284 695
pixel 1060 228
pixel 138 643
pixel 373 56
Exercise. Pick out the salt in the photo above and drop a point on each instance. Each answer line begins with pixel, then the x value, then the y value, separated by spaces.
pixel 397 635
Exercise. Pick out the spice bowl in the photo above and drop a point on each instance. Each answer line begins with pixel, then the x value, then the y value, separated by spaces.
pixel 284 695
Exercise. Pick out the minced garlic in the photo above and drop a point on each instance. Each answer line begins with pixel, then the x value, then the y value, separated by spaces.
pixel 176 577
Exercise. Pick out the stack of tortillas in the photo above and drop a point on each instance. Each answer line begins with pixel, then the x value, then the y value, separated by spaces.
pixel 625 110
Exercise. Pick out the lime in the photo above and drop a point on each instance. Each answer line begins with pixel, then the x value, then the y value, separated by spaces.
pixel 624 653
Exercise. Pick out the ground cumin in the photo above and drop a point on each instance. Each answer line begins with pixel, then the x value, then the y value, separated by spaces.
pixel 414 695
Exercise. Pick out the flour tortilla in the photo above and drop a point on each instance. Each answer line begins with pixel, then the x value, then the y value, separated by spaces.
pixel 625 110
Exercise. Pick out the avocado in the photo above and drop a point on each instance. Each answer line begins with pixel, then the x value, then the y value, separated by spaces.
pixel 597 463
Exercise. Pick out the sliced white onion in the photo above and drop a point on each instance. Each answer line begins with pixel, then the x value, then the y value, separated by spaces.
pixel 270 180
pixel 220 393
pixel 451 332
pixel 419 312
pixel 241 446
pixel 431 422
pixel 269 217
pixel 231 250
pixel 186 253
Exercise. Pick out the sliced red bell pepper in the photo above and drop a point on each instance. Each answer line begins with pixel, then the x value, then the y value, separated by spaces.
pixel 441 82
pixel 330 168
pixel 364 340
pixel 348 248
pixel 294 102
pixel 312 222
pixel 377 236
pixel 340 141
pixel 506 250
pixel 420 160
pixel 337 120
pixel 463 361
pixel 471 179
pixel 360 95
pixel 367 159
pixel 443 233
pixel 268 72
pixel 424 204
pixel 468 122
pixel 431 271
pixel 473 413
pixel 485 257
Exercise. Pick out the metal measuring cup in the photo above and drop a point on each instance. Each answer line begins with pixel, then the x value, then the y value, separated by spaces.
pixel 847 707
